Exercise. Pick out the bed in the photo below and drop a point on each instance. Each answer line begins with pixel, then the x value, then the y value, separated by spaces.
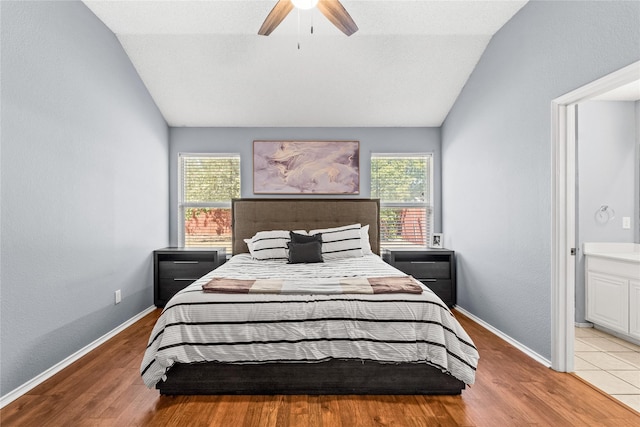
pixel 296 341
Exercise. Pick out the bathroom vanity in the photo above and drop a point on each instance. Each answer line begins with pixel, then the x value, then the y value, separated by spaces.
pixel 613 287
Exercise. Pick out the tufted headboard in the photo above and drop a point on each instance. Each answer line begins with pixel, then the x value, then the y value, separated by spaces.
pixel 252 215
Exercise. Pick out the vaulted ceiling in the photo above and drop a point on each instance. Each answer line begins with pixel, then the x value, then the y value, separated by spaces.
pixel 205 65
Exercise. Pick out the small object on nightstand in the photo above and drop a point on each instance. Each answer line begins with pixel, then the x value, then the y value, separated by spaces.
pixel 176 268
pixel 436 241
pixel 435 268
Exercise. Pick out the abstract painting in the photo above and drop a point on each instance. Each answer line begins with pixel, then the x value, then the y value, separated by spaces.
pixel 306 167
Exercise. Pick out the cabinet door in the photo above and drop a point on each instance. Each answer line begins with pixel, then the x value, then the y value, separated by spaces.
pixel 634 308
pixel 607 301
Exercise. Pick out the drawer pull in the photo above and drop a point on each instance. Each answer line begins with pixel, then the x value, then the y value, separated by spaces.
pixel 185 262
pixel 423 262
pixel 429 280
pixel 183 280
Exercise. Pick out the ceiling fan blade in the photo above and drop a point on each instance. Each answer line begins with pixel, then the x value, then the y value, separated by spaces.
pixel 275 17
pixel 338 15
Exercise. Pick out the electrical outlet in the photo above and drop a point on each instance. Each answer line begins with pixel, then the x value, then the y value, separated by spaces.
pixel 118 296
pixel 626 222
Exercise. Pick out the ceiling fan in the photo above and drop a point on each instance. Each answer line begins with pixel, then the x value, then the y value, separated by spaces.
pixel 331 9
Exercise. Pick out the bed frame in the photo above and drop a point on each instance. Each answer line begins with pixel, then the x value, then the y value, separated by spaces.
pixel 328 377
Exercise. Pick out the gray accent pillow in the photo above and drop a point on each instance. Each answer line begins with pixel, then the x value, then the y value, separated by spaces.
pixel 308 252
pixel 305 238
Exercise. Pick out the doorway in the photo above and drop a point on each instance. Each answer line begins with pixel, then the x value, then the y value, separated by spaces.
pixel 564 209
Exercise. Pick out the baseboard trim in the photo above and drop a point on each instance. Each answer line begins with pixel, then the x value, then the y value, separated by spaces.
pixel 584 325
pixel 24 388
pixel 523 348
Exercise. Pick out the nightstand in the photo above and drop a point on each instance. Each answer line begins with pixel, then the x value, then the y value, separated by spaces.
pixel 436 268
pixel 176 268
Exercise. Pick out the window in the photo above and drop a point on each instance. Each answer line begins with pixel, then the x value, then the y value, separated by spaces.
pixel 206 185
pixel 403 183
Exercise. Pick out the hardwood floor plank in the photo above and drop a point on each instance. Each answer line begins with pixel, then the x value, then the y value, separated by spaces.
pixel 378 409
pixel 268 414
pixel 511 390
pixel 351 411
pixel 330 410
pixel 315 411
pixel 299 410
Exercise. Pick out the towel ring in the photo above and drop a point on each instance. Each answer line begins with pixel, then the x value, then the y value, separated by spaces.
pixel 604 214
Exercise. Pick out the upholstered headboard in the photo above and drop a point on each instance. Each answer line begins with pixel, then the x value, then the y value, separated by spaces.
pixel 252 215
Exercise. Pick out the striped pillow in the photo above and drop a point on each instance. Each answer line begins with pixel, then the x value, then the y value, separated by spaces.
pixel 340 242
pixel 269 245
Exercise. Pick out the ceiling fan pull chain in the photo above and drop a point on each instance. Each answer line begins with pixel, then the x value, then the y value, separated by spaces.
pixel 298 29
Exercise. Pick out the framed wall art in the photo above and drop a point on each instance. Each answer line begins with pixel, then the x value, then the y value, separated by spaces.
pixel 306 167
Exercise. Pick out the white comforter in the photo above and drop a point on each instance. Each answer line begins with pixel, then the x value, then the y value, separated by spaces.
pixel 250 328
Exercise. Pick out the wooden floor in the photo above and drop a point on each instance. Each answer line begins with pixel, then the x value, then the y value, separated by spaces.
pixel 105 389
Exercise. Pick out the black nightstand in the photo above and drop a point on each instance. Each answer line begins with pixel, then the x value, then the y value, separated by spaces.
pixel 176 268
pixel 436 268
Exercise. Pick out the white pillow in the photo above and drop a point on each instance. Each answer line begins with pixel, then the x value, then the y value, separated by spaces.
pixel 249 243
pixel 364 240
pixel 270 245
pixel 340 242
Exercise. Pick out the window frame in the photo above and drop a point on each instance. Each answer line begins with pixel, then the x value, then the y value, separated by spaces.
pixel 182 205
pixel 428 203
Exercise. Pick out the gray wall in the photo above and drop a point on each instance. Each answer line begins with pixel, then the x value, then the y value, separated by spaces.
pixel 606 168
pixel 240 140
pixel 606 176
pixel 496 155
pixel 635 222
pixel 84 186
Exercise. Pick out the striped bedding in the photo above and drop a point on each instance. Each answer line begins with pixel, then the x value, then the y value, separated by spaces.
pixel 259 328
pixel 325 285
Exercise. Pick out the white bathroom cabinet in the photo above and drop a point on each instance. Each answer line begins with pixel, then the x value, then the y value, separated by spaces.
pixel 613 293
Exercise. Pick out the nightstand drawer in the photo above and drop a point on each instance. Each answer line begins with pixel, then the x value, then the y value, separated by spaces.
pixel 170 287
pixel 184 269
pixel 425 269
pixel 442 288
pixel 436 268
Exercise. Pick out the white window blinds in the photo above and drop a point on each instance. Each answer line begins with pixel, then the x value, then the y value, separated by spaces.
pixel 207 183
pixel 403 183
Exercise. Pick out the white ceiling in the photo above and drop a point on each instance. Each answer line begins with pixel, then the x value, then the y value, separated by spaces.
pixel 205 65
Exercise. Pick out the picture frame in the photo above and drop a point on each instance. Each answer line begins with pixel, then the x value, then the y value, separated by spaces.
pixel 437 240
pixel 306 167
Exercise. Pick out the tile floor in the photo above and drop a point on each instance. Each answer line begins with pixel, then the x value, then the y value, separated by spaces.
pixel 609 363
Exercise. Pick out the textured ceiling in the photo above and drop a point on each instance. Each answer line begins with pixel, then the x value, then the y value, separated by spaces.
pixel 205 65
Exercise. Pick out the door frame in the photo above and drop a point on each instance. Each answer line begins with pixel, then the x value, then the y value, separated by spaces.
pixel 563 207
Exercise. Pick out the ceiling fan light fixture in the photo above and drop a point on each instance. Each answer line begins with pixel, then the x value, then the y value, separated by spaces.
pixel 333 10
pixel 305 4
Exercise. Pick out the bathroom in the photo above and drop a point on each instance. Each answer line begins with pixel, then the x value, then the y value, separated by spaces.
pixel 608 169
pixel 607 291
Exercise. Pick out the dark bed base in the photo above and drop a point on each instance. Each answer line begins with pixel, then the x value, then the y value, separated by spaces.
pixel 331 377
